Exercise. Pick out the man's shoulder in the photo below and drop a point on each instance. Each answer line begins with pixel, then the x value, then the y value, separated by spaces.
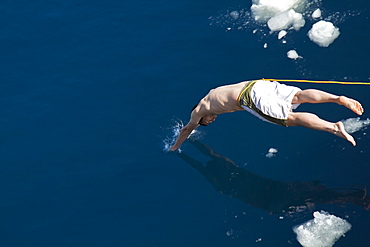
pixel 200 110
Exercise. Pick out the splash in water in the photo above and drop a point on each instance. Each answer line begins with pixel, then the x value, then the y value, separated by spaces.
pixel 352 125
pixel 175 130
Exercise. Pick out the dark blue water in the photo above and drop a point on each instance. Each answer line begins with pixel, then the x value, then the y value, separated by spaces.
pixel 90 89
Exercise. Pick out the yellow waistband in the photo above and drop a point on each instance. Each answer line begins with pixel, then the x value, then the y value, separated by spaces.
pixel 245 88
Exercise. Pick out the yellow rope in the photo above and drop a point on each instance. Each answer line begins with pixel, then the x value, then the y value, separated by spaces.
pixel 331 82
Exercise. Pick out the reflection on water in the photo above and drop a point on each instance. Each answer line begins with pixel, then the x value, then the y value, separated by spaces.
pixel 270 195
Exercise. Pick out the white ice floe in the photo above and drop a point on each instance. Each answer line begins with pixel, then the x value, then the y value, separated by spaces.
pixel 263 10
pixel 234 14
pixel 323 33
pixel 322 231
pixel 316 14
pixel 286 20
pixel 271 153
pixel 282 34
pixel 352 125
pixel 292 54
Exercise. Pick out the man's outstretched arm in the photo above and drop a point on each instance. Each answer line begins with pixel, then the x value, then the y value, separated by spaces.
pixel 184 134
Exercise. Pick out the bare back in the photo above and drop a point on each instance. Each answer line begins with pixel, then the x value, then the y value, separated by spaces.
pixel 221 100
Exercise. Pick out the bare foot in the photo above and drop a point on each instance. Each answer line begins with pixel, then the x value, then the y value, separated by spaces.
pixel 351 104
pixel 341 132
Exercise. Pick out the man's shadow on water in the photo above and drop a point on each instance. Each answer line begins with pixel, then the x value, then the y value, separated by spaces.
pixel 267 194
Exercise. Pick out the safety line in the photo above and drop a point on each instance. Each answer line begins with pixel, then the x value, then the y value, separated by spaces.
pixel 330 82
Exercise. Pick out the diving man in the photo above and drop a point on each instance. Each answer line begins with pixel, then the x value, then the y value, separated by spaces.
pixel 270 101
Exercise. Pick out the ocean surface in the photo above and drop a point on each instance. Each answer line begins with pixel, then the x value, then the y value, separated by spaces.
pixel 92 91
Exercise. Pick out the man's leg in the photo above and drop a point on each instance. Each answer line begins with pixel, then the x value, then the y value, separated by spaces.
pixel 312 121
pixel 317 96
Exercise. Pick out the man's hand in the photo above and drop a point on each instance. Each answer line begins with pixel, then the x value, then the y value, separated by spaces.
pixel 184 133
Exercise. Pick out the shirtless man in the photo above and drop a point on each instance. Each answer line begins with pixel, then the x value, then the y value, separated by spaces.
pixel 270 101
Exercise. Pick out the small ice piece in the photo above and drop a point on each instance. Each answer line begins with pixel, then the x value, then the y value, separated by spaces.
pixel 271 153
pixel 228 29
pixel 265 45
pixel 323 33
pixel 284 41
pixel 286 20
pixel 259 240
pixel 281 34
pixel 323 230
pixel 292 54
pixel 273 150
pixel 234 14
pixel 316 14
pixel 229 233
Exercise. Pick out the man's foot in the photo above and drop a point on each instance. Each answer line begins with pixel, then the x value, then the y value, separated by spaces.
pixel 351 104
pixel 341 132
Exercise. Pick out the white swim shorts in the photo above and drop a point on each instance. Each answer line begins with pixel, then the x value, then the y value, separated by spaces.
pixel 268 100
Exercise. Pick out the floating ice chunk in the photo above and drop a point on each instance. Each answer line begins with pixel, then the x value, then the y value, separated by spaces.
pixel 263 10
pixel 298 21
pixel 271 153
pixel 230 233
pixel 265 45
pixel 286 20
pixel 281 34
pixel 281 21
pixel 352 125
pixel 323 33
pixel 273 150
pixel 234 14
pixel 292 54
pixel 324 230
pixel 316 14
